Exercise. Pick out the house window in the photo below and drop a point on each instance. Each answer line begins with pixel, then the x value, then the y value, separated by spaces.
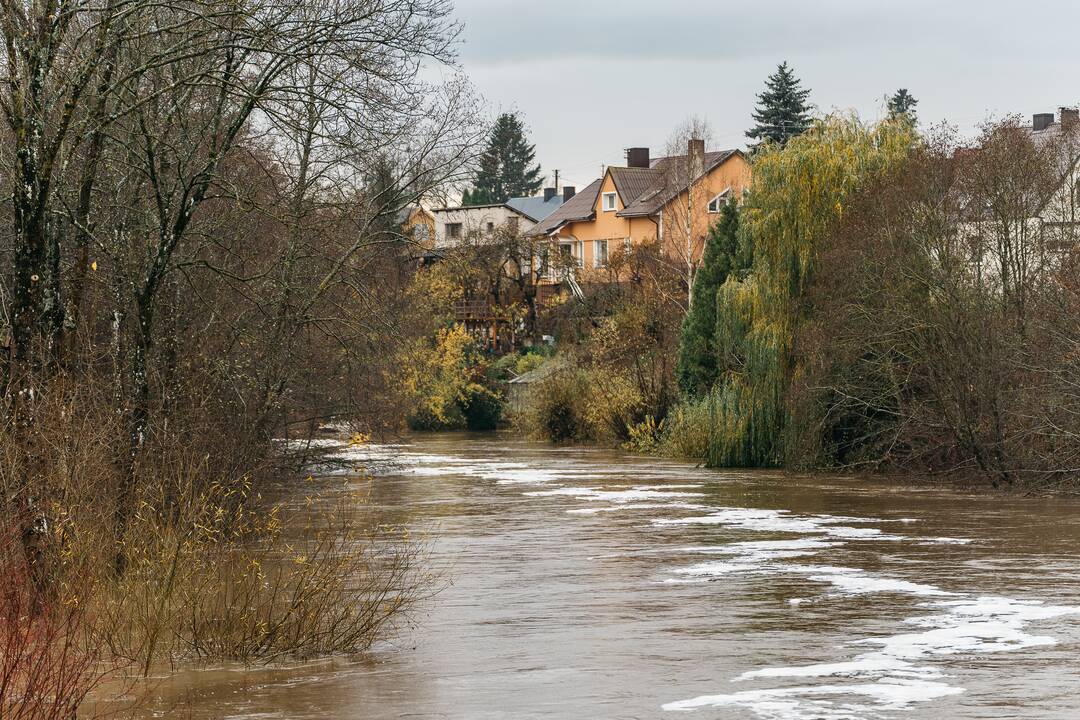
pixel 420 233
pixel 600 256
pixel 453 230
pixel 718 202
pixel 609 202
pixel 566 252
pixel 491 227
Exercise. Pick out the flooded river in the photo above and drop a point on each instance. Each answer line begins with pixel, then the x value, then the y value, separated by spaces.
pixel 583 583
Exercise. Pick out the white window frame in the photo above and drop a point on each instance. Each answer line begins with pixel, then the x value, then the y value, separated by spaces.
pixel 563 244
pixel 614 197
pixel 597 262
pixel 719 201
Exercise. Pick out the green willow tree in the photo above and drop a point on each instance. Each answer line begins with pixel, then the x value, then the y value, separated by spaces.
pixel 508 167
pixel 697 364
pixel 782 112
pixel 796 199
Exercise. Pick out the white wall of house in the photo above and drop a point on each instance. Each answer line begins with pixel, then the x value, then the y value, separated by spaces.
pixel 473 224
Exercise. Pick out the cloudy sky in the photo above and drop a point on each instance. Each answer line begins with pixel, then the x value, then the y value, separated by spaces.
pixel 593 77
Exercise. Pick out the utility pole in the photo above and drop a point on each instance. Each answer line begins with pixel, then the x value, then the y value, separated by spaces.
pixel 556 182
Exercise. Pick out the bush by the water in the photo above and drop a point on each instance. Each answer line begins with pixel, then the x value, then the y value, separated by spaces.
pixel 447 379
pixel 616 384
pixel 202 567
pixel 558 408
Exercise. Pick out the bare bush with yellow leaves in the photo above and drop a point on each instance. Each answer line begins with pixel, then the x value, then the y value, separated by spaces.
pixel 212 569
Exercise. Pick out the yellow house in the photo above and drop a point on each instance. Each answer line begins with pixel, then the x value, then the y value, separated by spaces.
pixel 673 200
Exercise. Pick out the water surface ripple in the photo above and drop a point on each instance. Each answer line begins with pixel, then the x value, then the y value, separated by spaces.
pixel 590 584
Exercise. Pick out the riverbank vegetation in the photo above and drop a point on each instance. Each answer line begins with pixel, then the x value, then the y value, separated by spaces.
pixel 881 300
pixel 204 266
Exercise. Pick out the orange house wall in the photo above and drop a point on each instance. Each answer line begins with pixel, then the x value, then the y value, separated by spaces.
pixel 606 226
pixel 734 173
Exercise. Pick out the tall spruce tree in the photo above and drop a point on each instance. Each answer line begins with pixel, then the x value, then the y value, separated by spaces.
pixel 782 111
pixel 384 196
pixel 697 364
pixel 902 103
pixel 507 167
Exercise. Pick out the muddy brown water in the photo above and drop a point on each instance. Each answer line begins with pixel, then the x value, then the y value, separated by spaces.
pixel 584 583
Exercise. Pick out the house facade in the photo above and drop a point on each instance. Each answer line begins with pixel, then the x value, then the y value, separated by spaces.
pixel 1042 227
pixel 672 201
pixel 417 224
pixel 1059 217
pixel 475 223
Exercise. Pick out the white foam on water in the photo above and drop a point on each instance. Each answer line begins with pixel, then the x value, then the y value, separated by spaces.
pixel 889 694
pixel 716 568
pixel 530 476
pixel 801 544
pixel 631 506
pixel 944 541
pixel 407 462
pixel 1003 607
pixel 870 665
pixel 686 486
pixel 614 496
pixel 782 521
pixel 970 625
pixel 860 583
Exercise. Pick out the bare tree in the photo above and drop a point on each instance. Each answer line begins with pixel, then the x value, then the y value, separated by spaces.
pixel 943 332
pixel 202 172
pixel 683 232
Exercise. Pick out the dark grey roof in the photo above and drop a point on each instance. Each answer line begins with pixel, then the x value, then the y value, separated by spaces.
pixel 631 182
pixel 663 189
pixel 579 207
pixel 535 208
pixel 456 208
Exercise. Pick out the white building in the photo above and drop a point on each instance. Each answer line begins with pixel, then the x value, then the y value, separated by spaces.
pixel 455 225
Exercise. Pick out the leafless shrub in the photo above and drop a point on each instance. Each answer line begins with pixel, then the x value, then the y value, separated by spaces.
pixel 50 657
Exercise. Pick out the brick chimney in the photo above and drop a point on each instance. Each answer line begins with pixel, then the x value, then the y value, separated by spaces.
pixel 1070 117
pixel 1041 121
pixel 568 192
pixel 637 157
pixel 549 193
pixel 695 154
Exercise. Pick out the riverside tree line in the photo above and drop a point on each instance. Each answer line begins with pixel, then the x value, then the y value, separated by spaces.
pixel 201 255
pixel 883 299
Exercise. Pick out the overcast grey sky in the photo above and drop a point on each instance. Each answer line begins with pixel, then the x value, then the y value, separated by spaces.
pixel 595 76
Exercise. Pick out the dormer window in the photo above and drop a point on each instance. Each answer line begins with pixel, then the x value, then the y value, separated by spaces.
pixel 609 202
pixel 717 203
